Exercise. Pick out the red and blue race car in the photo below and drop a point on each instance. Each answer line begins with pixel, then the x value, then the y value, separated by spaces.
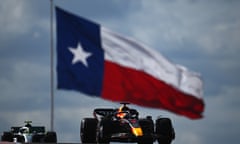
pixel 124 125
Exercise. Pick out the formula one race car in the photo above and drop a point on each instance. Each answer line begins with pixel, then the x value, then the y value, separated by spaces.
pixel 29 134
pixel 123 125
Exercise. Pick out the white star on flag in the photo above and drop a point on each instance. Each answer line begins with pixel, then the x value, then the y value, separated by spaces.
pixel 79 55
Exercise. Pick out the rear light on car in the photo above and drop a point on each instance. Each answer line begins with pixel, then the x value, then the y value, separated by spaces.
pixel 133 121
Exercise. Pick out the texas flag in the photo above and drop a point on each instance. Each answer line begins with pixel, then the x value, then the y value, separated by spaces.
pixel 101 63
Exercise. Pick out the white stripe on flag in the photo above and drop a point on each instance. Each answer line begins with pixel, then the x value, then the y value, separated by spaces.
pixel 129 53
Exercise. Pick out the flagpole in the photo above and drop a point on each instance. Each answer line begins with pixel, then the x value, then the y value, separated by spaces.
pixel 51 65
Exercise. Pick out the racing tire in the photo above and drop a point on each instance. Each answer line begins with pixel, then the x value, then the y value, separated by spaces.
pixel 51 137
pixel 7 137
pixel 103 132
pixel 38 138
pixel 164 131
pixel 88 130
pixel 147 126
pixel 20 139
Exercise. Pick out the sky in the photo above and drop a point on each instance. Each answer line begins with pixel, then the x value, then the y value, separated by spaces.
pixel 203 35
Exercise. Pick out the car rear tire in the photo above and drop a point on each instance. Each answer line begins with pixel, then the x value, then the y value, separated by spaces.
pixel 103 132
pixel 51 137
pixel 147 126
pixel 38 138
pixel 88 130
pixel 20 139
pixel 164 130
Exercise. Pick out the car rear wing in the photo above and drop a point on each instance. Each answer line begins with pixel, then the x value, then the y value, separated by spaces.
pixel 34 129
pixel 106 112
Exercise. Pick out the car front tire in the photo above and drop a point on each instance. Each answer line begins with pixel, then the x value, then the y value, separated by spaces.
pixel 88 130
pixel 164 130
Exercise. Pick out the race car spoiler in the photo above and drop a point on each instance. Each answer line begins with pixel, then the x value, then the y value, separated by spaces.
pixel 110 112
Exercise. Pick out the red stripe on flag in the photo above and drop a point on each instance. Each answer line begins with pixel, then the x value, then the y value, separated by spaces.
pixel 130 85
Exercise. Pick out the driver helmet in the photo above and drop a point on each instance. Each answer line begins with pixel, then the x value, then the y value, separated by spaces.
pixel 24 130
pixel 122 111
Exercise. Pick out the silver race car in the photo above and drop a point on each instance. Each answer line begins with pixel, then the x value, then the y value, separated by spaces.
pixel 29 134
